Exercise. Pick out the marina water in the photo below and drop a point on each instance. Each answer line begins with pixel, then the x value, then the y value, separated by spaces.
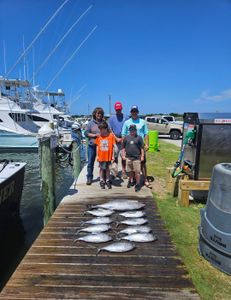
pixel 20 234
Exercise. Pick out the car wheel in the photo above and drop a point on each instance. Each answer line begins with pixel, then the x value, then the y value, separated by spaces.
pixel 174 134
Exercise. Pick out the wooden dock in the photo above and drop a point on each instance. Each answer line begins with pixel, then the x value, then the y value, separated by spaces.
pixel 56 267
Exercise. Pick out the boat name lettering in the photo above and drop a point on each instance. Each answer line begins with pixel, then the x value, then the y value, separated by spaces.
pixel 7 191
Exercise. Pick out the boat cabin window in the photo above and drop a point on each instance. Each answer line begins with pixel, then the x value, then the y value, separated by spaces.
pixel 37 118
pixel 18 117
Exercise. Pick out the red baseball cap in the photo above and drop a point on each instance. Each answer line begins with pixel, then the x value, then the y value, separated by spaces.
pixel 118 106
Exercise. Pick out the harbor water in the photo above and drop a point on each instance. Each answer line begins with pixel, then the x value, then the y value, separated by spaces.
pixel 20 234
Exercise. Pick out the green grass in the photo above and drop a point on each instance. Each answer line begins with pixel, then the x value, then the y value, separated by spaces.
pixel 182 223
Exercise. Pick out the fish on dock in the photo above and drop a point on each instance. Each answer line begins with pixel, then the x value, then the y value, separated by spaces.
pixel 95 228
pixel 121 205
pixel 140 237
pixel 133 214
pixel 95 238
pixel 134 221
pixel 99 220
pixel 121 246
pixel 100 212
pixel 135 229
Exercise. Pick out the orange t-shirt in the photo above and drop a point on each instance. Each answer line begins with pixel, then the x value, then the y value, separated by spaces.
pixel 105 147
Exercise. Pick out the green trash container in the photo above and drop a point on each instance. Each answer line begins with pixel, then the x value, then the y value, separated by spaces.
pixel 153 141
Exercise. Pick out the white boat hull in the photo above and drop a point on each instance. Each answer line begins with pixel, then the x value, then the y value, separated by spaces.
pixel 17 142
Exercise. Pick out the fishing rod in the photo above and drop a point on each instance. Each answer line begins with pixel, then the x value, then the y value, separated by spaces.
pixel 62 39
pixel 71 57
pixel 36 37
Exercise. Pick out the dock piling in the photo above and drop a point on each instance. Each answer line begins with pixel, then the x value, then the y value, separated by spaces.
pixel 47 144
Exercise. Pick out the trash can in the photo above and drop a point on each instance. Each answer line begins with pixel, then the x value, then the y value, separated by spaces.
pixel 153 141
pixel 215 227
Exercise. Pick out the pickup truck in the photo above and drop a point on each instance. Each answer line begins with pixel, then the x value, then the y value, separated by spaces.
pixel 163 126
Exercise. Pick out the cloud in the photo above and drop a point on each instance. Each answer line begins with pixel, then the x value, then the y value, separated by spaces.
pixel 206 98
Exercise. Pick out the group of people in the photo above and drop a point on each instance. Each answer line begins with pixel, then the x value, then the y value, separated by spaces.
pixel 121 137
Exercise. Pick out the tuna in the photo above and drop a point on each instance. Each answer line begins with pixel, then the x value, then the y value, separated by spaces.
pixel 121 205
pixel 100 212
pixel 134 221
pixel 122 246
pixel 140 237
pixel 135 229
pixel 96 228
pixel 99 220
pixel 133 214
pixel 95 238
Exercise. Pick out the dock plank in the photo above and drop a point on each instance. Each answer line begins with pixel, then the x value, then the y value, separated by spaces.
pixel 57 267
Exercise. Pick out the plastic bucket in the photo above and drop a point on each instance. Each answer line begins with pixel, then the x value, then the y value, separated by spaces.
pixel 153 141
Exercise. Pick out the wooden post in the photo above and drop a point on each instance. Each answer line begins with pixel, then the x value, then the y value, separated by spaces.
pixel 47 146
pixel 76 154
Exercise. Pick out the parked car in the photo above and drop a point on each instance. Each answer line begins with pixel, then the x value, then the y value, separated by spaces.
pixel 164 126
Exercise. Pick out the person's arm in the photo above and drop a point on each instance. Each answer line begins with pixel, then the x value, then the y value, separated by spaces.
pixel 146 139
pixel 93 135
pixel 142 154
pixel 88 132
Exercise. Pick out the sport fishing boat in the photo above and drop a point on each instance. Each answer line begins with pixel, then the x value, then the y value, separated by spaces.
pixel 24 110
pixel 17 130
pixel 11 186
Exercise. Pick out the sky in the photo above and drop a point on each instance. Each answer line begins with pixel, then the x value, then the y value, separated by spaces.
pixel 162 55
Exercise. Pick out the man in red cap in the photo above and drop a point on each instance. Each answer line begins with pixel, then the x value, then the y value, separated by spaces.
pixel 116 124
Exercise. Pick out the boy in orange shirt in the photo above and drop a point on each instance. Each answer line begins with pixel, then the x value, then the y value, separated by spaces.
pixel 105 152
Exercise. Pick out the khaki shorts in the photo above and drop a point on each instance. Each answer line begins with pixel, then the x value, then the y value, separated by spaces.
pixel 133 165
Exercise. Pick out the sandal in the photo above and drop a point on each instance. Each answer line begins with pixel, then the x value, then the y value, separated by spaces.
pixel 147 184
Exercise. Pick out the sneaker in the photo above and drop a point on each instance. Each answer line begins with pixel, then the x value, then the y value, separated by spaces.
pixel 137 188
pixel 133 182
pixel 102 184
pixel 108 184
pixel 89 181
pixel 130 184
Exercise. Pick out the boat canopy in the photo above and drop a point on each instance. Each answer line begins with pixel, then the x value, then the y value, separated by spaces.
pixel 14 82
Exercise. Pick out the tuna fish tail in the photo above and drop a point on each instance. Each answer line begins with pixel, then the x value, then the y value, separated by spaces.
pixel 98 251
pixel 76 240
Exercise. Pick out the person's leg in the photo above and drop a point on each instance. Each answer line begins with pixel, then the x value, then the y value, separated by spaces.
pixel 123 163
pixel 137 169
pixel 114 166
pixel 90 164
pixel 129 167
pixel 108 183
pixel 144 172
pixel 102 179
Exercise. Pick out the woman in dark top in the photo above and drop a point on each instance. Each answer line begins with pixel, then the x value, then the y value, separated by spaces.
pixel 92 132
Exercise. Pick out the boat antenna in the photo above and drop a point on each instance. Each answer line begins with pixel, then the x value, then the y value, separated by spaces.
pixel 37 36
pixel 62 39
pixel 33 64
pixel 4 55
pixel 71 57
pixel 78 95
